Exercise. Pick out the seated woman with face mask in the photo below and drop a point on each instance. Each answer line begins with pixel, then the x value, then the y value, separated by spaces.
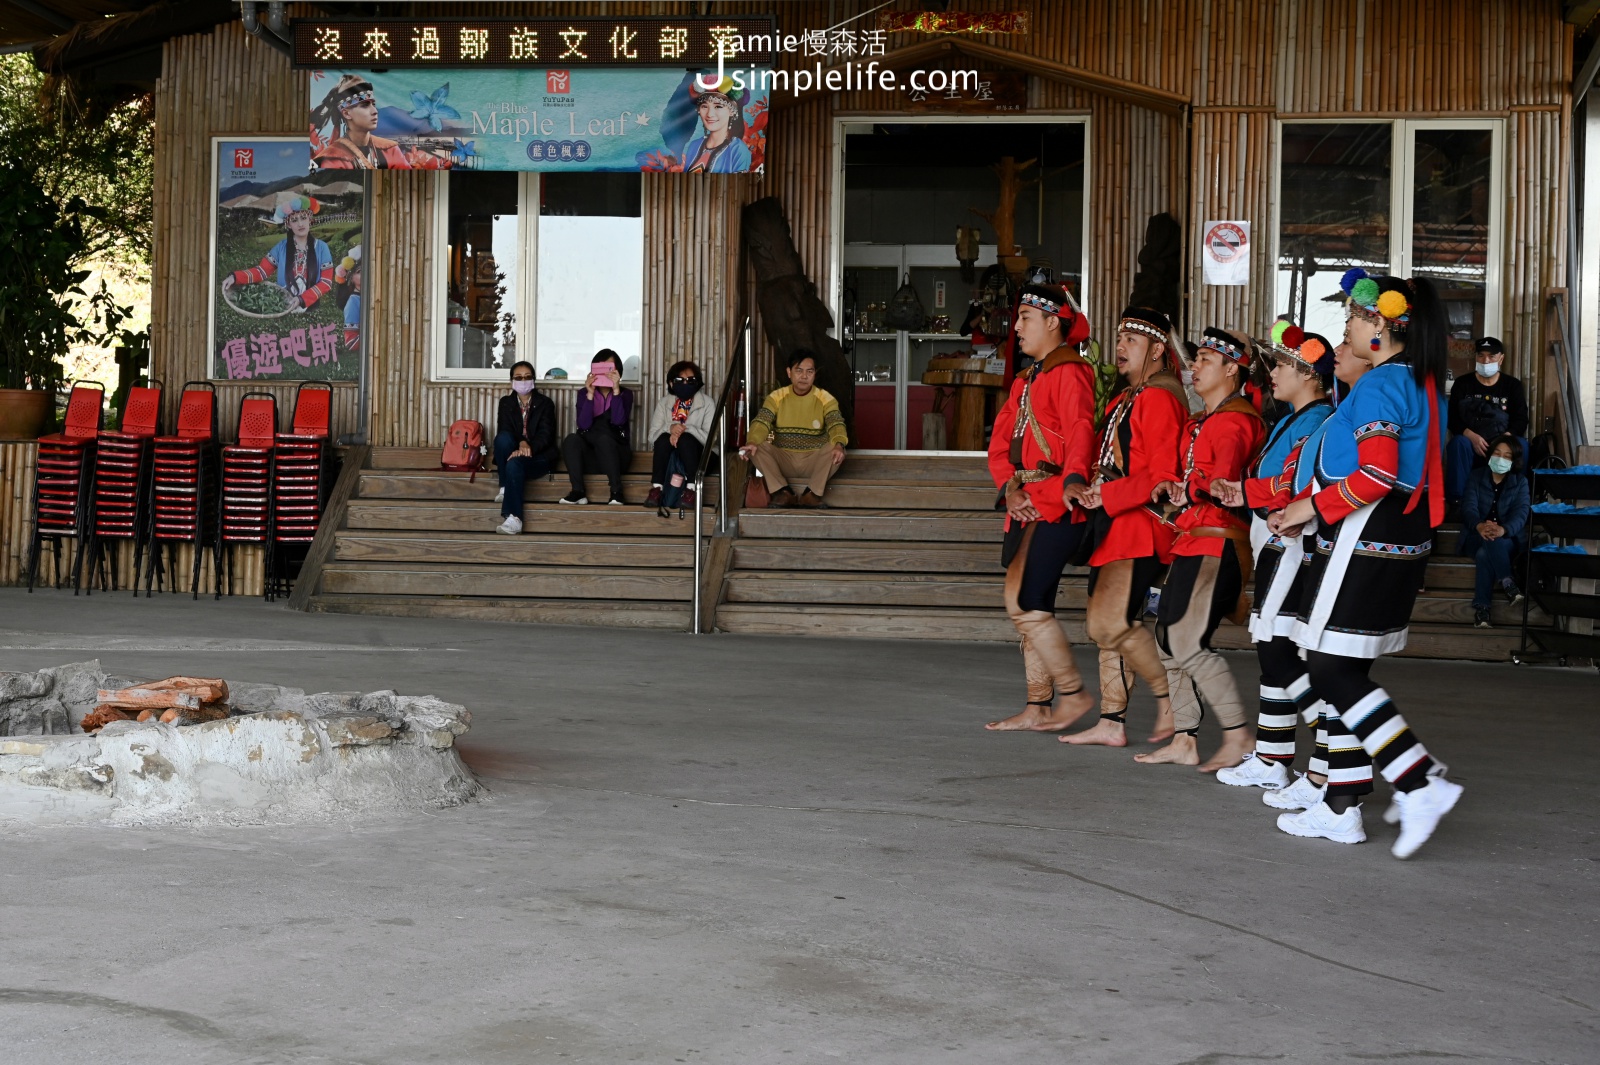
pixel 1494 514
pixel 681 424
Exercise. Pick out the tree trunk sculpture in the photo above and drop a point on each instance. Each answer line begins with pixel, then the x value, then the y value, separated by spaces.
pixel 792 315
pixel 1003 218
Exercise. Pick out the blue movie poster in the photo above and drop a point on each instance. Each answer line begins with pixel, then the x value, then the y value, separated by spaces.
pixel 527 119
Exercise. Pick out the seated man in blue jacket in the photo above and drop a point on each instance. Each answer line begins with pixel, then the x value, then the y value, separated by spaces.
pixel 1494 513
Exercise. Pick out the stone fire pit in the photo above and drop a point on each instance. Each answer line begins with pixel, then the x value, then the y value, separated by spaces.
pixel 281 757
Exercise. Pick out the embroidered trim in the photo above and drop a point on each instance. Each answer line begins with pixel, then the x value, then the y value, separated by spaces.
pixel 1377 428
pixel 1377 547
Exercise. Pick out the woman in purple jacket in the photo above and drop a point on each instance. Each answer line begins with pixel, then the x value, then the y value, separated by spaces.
pixel 602 436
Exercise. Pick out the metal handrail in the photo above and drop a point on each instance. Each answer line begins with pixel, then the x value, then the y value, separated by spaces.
pixel 733 402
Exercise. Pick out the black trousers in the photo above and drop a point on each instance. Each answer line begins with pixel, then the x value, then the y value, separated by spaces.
pixel 1048 549
pixel 689 449
pixel 599 448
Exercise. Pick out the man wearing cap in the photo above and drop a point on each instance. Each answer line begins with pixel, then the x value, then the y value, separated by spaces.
pixel 1039 456
pixel 1483 404
pixel 1132 545
pixel 1211 562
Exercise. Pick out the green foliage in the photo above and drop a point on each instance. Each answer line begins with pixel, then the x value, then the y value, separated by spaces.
pixel 1105 377
pixel 99 153
pixel 41 245
pixel 261 299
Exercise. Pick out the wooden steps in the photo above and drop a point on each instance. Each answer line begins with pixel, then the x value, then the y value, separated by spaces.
pixel 418 541
pixel 891 563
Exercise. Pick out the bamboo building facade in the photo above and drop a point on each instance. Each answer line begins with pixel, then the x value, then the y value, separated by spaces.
pixel 1183 103
pixel 1183 107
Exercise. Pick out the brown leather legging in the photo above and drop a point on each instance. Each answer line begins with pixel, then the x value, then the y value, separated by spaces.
pixel 1117 592
pixel 1030 603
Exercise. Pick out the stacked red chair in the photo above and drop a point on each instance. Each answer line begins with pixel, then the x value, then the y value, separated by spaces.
pixel 301 467
pixel 62 497
pixel 246 498
pixel 184 493
pixel 122 487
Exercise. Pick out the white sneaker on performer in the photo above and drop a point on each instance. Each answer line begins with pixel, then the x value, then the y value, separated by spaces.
pixel 500 496
pixel 1321 822
pixel 1255 772
pixel 1421 811
pixel 511 526
pixel 1301 795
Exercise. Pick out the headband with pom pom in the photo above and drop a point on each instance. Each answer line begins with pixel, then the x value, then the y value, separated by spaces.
pixel 1376 300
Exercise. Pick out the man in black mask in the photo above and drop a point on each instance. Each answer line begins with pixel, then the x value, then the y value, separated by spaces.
pixel 680 424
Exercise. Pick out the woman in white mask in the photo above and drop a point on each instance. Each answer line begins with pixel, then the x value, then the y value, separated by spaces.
pixel 1494 512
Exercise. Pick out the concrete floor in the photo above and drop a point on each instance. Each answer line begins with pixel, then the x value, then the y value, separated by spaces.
pixel 741 850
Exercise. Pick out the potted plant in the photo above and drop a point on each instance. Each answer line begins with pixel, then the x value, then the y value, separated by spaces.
pixel 40 242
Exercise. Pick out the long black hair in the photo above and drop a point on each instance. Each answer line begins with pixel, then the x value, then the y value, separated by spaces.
pixel 1427 334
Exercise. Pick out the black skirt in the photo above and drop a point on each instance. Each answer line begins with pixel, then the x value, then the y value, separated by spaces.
pixel 1363 580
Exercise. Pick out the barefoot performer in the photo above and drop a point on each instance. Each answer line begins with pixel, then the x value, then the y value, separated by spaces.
pixel 1302 377
pixel 1041 450
pixel 1138 450
pixel 1211 557
pixel 1378 457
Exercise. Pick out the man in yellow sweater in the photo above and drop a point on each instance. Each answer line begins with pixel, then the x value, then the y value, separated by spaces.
pixel 798 436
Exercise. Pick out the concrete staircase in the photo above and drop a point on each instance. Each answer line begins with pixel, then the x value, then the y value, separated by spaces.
pixel 910 549
pixel 420 542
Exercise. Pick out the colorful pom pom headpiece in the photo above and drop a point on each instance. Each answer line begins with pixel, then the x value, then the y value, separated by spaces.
pixel 289 203
pixel 1231 347
pixel 1309 353
pixel 1376 299
pixel 1055 302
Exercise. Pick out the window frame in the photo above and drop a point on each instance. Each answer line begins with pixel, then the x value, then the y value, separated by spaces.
pixel 1402 195
pixel 526 294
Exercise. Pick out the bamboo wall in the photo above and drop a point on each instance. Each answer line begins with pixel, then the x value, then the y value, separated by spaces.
pixel 17 459
pixel 1240 65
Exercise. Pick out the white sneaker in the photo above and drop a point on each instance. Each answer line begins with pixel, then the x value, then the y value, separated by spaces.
pixel 1321 822
pixel 1255 772
pixel 500 496
pixel 1391 816
pixel 511 526
pixel 1421 811
pixel 1301 795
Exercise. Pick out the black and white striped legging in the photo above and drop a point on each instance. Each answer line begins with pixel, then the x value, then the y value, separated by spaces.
pixel 1369 716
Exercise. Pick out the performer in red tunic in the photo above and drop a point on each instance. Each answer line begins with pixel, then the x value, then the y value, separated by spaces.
pixel 1040 452
pixel 1211 557
pixel 1138 450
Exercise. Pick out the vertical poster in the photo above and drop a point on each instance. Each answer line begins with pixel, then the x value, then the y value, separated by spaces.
pixel 1226 253
pixel 286 264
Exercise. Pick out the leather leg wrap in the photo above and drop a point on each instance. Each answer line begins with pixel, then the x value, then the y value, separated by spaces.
pixel 1115 682
pixel 1048 641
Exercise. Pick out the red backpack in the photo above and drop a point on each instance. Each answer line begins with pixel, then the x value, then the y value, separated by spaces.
pixel 463 448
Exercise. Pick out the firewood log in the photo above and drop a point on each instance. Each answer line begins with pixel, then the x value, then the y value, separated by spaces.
pixel 206 689
pixel 101 716
pixel 142 698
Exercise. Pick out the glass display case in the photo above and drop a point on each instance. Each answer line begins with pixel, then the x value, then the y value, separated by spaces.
pixel 890 396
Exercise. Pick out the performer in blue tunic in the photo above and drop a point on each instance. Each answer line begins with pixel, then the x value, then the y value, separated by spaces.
pixel 1302 377
pixel 1377 496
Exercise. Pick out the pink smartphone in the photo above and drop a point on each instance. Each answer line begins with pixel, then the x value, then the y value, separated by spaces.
pixel 605 374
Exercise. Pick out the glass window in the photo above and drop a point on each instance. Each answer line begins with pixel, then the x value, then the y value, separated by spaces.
pixel 584 249
pixel 591 272
pixel 1334 207
pixel 481 287
pixel 1450 216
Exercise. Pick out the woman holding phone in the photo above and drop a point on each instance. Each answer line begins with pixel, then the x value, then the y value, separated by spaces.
pixel 604 407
